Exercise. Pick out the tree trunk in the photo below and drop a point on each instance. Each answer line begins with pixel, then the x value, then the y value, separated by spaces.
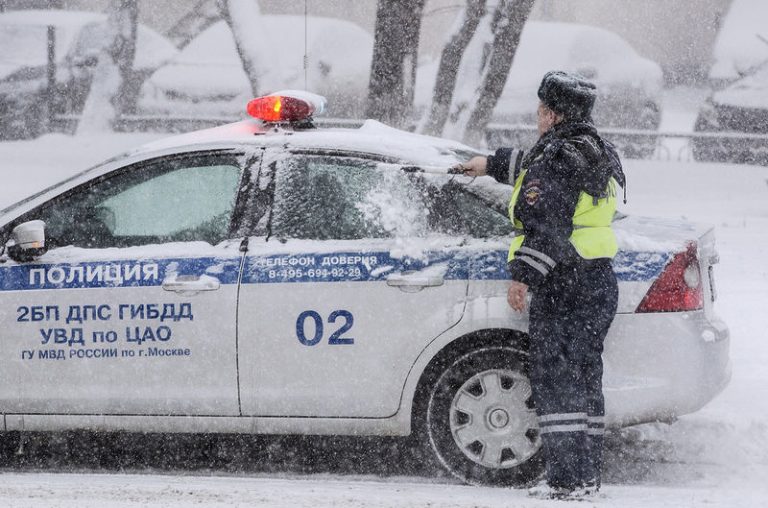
pixel 393 69
pixel 470 115
pixel 512 18
pixel 244 19
pixel 112 82
pixel 201 15
pixel 125 53
pixel 448 70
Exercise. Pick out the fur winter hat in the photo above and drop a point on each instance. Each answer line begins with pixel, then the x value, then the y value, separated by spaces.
pixel 568 94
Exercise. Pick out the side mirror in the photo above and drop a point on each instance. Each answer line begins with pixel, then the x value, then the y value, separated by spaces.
pixel 27 241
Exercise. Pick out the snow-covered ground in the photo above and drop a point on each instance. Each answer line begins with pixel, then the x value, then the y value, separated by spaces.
pixel 717 457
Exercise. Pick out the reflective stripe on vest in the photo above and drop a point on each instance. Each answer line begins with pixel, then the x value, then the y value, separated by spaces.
pixel 592 235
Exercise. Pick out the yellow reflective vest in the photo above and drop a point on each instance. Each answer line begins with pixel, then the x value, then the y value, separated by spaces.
pixel 592 235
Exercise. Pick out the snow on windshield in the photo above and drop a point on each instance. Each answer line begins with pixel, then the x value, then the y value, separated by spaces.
pixel 399 209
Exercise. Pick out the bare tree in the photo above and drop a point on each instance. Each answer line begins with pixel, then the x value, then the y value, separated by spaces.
pixel 393 69
pixel 244 18
pixel 448 70
pixel 510 20
pixel 489 54
pixel 203 14
pixel 112 87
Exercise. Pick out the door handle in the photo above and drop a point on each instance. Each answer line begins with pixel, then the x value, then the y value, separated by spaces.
pixel 415 280
pixel 191 283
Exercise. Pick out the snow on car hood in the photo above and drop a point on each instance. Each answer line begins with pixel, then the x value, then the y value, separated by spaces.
pixel 749 92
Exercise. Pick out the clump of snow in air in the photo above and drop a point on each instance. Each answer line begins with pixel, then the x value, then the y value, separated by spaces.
pixel 400 210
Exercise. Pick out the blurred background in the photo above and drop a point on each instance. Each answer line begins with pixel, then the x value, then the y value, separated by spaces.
pixel 677 80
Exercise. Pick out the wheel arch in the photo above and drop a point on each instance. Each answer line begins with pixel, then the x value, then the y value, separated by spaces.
pixel 438 356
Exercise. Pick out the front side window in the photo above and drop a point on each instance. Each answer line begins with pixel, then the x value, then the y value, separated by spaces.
pixel 171 201
pixel 326 198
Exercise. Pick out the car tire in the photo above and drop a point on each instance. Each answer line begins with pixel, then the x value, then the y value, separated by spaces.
pixel 480 421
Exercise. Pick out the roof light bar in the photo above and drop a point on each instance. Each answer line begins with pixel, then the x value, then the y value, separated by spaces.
pixel 286 106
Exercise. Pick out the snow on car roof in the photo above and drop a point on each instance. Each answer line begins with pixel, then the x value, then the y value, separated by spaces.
pixel 49 17
pixel 209 67
pixel 738 46
pixel 601 55
pixel 749 92
pixel 23 36
pixel 371 138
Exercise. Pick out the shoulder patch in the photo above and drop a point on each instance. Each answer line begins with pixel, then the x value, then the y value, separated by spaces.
pixel 532 192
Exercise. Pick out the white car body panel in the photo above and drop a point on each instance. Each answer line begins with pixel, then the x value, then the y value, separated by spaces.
pixel 114 370
pixel 359 373
pixel 657 365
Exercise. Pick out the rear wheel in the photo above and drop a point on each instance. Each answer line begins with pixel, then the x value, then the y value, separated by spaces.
pixel 480 420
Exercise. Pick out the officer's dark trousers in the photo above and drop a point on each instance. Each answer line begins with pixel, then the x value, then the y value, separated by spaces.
pixel 569 319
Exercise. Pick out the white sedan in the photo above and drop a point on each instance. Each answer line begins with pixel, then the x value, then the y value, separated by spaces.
pixel 74 38
pixel 269 277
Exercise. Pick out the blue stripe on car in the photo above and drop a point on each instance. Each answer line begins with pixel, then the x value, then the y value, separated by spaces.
pixel 290 268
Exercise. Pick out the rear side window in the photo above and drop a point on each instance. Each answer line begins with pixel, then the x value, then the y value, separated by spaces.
pixel 326 198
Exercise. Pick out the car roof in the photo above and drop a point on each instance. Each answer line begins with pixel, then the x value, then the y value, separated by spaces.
pixel 372 138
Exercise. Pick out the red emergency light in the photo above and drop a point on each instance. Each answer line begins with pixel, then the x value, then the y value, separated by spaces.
pixel 280 108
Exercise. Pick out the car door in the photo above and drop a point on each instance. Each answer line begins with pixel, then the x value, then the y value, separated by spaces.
pixel 132 309
pixel 352 277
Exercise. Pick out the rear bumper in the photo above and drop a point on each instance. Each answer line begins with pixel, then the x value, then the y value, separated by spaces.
pixel 663 365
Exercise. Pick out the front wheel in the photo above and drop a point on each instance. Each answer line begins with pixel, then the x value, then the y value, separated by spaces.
pixel 480 419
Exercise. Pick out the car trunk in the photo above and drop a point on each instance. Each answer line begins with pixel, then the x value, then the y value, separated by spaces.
pixel 649 247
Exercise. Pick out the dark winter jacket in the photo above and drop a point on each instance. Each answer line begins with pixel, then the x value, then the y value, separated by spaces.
pixel 568 159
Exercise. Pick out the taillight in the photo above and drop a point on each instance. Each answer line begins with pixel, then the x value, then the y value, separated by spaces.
pixel 679 286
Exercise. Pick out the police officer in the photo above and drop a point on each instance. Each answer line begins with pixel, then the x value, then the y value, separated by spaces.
pixel 562 205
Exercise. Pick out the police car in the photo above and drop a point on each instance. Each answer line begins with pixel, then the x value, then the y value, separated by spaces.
pixel 271 277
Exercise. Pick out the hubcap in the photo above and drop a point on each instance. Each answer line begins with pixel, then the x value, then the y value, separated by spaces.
pixel 498 418
pixel 491 420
